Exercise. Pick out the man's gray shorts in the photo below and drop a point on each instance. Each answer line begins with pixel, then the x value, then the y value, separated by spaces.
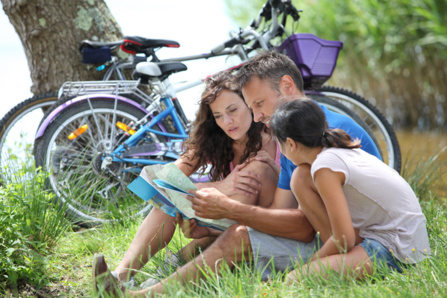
pixel 274 254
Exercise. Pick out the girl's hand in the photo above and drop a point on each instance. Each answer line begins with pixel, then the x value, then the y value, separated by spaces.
pixel 191 229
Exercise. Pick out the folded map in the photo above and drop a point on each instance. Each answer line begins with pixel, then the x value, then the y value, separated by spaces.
pixel 166 188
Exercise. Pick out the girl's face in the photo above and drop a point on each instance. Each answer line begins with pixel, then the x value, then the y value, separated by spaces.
pixel 293 151
pixel 232 115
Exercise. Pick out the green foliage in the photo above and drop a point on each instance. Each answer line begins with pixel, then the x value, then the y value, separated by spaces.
pixel 396 49
pixel 375 30
pixel 31 224
pixel 72 256
pixel 36 249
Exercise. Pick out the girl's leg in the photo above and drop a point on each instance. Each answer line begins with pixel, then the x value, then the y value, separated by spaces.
pixel 355 263
pixel 310 201
pixel 190 251
pixel 155 233
pixel 231 247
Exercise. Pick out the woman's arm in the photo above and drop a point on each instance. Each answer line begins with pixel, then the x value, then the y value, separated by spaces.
pixel 266 184
pixel 187 164
pixel 241 181
pixel 329 186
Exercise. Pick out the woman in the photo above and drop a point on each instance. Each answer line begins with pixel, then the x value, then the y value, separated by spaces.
pixel 223 139
pixel 374 216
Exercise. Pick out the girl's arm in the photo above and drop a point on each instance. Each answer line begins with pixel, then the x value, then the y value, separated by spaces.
pixel 329 186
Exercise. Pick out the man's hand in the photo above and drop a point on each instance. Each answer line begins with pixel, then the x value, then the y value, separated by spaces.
pixel 265 157
pixel 240 182
pixel 191 229
pixel 211 203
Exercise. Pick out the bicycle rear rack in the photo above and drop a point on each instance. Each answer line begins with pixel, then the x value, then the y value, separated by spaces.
pixel 78 88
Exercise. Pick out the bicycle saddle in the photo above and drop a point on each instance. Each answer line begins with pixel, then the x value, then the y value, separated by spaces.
pixel 158 69
pixel 137 44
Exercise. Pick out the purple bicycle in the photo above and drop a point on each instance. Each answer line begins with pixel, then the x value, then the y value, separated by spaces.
pixel 97 142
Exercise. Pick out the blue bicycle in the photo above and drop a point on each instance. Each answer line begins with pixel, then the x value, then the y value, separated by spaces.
pixel 96 143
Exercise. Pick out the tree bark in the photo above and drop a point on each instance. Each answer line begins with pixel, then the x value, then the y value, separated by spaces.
pixel 51 32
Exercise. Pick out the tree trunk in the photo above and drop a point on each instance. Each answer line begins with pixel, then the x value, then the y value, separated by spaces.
pixel 51 32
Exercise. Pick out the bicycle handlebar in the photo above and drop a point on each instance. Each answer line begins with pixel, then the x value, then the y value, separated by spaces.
pixel 271 10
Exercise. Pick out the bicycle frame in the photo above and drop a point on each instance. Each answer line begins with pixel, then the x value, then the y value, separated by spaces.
pixel 291 46
pixel 148 128
pixel 144 139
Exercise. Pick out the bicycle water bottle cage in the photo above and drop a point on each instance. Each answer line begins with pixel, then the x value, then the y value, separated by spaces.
pixel 161 70
pixel 315 57
pixel 96 52
pixel 136 44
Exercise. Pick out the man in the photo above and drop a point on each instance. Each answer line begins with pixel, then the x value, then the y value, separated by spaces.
pixel 284 230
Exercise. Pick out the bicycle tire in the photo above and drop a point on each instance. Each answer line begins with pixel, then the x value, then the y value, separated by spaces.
pixel 93 196
pixel 14 120
pixel 382 130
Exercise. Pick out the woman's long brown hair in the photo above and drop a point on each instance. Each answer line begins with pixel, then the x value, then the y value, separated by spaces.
pixel 208 141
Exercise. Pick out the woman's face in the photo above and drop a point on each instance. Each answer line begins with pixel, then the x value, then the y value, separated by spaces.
pixel 232 114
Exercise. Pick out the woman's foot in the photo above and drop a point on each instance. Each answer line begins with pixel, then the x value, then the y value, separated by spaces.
pixel 103 280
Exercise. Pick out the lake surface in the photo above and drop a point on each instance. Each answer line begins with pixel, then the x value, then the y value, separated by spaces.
pixel 420 146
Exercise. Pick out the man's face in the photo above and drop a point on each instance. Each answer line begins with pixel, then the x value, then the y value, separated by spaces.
pixel 262 99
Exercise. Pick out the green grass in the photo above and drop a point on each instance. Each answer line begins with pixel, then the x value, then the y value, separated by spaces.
pixel 42 254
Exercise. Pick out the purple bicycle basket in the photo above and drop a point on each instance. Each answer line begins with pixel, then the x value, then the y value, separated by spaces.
pixel 315 57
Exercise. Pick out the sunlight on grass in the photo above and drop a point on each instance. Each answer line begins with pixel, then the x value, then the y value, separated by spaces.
pixel 59 256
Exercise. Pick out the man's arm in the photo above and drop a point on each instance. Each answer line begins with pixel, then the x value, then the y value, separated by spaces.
pixel 276 220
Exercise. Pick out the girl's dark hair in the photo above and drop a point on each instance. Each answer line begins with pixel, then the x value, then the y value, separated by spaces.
pixel 303 121
pixel 208 141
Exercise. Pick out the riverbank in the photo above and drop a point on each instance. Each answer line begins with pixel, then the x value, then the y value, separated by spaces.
pixel 422 146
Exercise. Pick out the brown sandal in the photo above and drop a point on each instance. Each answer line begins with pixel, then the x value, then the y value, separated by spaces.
pixel 103 280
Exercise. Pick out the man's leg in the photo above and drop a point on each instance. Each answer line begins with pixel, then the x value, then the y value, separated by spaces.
pixel 277 254
pixel 232 246
pixel 154 233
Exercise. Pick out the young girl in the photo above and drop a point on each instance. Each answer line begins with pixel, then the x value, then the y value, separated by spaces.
pixel 375 218
pixel 224 136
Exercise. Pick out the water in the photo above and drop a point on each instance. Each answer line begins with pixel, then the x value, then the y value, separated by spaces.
pixel 420 146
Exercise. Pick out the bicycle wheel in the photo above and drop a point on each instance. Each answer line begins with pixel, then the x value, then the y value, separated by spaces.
pixel 17 131
pixel 337 107
pixel 93 193
pixel 384 135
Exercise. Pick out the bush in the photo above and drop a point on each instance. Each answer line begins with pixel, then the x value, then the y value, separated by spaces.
pixel 31 223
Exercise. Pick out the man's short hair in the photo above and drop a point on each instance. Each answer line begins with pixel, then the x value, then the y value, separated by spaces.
pixel 270 66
